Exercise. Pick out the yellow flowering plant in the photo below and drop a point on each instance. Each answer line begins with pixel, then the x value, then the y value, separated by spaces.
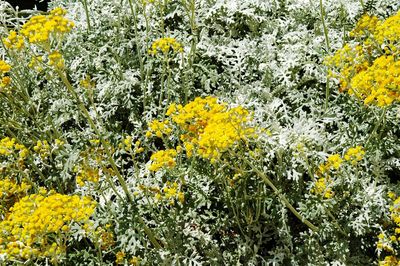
pixel 368 69
pixel 111 152
pixel 38 225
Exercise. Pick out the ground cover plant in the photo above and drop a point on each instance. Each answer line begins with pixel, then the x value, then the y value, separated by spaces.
pixel 208 132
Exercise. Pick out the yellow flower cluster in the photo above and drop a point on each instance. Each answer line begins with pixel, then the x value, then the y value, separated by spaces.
pixel 56 59
pixel 323 187
pixel 389 261
pixel 9 146
pixel 365 26
pixel 159 128
pixel 171 192
pixel 134 261
pixel 10 192
pixel 380 83
pixel 163 159
pixel 211 128
pixel 87 82
pixel 38 224
pixel 4 67
pixel 354 155
pixel 42 148
pixel 4 80
pixel 147 2
pixel 39 29
pixel 323 184
pixel 120 257
pixel 87 175
pixel 165 45
pixel 14 41
pixel 127 144
pixel 104 237
pixel 389 243
pixel 370 69
pixel 36 63
pixel 388 32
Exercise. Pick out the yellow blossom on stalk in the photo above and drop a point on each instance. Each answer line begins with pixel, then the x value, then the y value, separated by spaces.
pixel 165 45
pixel 388 241
pixel 9 146
pixel 391 195
pixel 370 69
pixel 389 261
pixel 42 148
pixel 104 238
pixel 322 187
pixel 379 84
pixel 56 59
pixel 39 29
pixel 366 25
pixel 354 155
pixel 147 2
pixel 389 30
pixel 35 63
pixel 211 128
pixel 38 225
pixel 159 128
pixel 87 175
pixel 4 67
pixel 134 261
pixel 171 192
pixel 10 191
pixel 5 81
pixel 127 142
pixel 13 41
pixel 335 161
pixel 87 82
pixel 163 159
pixel 120 257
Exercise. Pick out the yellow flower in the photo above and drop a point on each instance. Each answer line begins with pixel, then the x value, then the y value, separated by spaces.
pixel 321 187
pixel 38 225
pixel 163 159
pixel 335 161
pixel 211 128
pixel 354 154
pixel 134 261
pixel 40 28
pixel 120 256
pixel 14 41
pixel 363 71
pixel 5 81
pixel 56 59
pixel 165 45
pixel 4 67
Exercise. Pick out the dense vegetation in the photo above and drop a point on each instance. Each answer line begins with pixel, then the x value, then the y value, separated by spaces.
pixel 208 132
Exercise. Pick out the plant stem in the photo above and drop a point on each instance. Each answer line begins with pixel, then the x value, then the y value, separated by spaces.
pixel 328 48
pixel 379 123
pixel 87 15
pixel 280 196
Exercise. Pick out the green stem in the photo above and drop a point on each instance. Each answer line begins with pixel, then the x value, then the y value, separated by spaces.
pixel 328 48
pixel 321 9
pixel 87 15
pixel 280 196
pixel 362 4
pixel 377 125
pixel 139 53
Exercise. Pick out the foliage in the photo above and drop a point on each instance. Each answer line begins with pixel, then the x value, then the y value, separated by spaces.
pixel 200 132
